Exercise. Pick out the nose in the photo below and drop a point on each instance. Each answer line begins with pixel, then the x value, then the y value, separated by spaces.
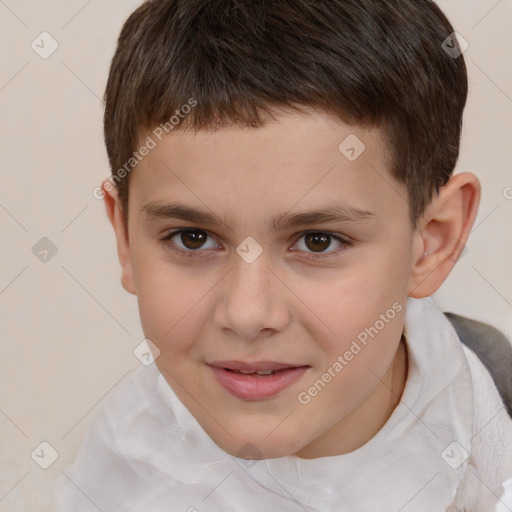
pixel 253 301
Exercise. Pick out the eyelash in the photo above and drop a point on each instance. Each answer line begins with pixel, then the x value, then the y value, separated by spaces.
pixel 166 241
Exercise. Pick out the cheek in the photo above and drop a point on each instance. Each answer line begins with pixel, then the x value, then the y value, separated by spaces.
pixel 359 315
pixel 165 295
pixel 351 300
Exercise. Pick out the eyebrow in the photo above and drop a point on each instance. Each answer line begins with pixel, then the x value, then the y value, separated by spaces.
pixel 337 212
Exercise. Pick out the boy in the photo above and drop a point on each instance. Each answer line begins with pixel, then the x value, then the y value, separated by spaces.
pixel 284 206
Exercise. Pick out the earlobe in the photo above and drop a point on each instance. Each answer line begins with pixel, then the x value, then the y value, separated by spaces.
pixel 115 214
pixel 442 233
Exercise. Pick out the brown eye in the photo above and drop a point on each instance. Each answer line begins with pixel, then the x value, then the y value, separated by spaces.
pixel 193 239
pixel 317 242
pixel 314 245
pixel 190 242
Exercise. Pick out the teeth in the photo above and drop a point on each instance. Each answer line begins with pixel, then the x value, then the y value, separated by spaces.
pixel 260 372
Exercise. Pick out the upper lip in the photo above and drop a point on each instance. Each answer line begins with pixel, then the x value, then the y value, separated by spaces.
pixel 254 366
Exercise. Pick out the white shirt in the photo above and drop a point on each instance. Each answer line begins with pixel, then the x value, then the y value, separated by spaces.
pixel 446 447
pixel 505 503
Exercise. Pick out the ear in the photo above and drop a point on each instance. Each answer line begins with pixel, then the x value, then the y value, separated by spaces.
pixel 115 215
pixel 442 232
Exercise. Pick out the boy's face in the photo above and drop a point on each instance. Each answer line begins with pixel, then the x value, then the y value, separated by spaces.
pixel 220 299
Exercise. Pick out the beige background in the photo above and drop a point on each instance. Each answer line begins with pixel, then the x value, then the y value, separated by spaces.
pixel 68 328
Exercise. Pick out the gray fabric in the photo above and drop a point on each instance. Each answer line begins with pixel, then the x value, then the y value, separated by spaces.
pixel 492 348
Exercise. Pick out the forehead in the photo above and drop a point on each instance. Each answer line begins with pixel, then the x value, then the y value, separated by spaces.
pixel 299 161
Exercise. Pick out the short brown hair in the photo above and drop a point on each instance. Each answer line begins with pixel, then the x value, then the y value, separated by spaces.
pixel 373 63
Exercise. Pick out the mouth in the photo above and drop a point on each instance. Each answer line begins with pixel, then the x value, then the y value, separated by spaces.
pixel 259 367
pixel 256 373
pixel 256 380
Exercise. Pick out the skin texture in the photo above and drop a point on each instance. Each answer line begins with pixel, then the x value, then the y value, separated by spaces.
pixel 283 306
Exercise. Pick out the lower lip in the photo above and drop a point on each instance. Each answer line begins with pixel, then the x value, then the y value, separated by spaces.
pixel 252 387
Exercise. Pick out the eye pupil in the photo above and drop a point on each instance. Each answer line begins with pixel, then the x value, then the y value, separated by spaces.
pixel 317 238
pixel 193 239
